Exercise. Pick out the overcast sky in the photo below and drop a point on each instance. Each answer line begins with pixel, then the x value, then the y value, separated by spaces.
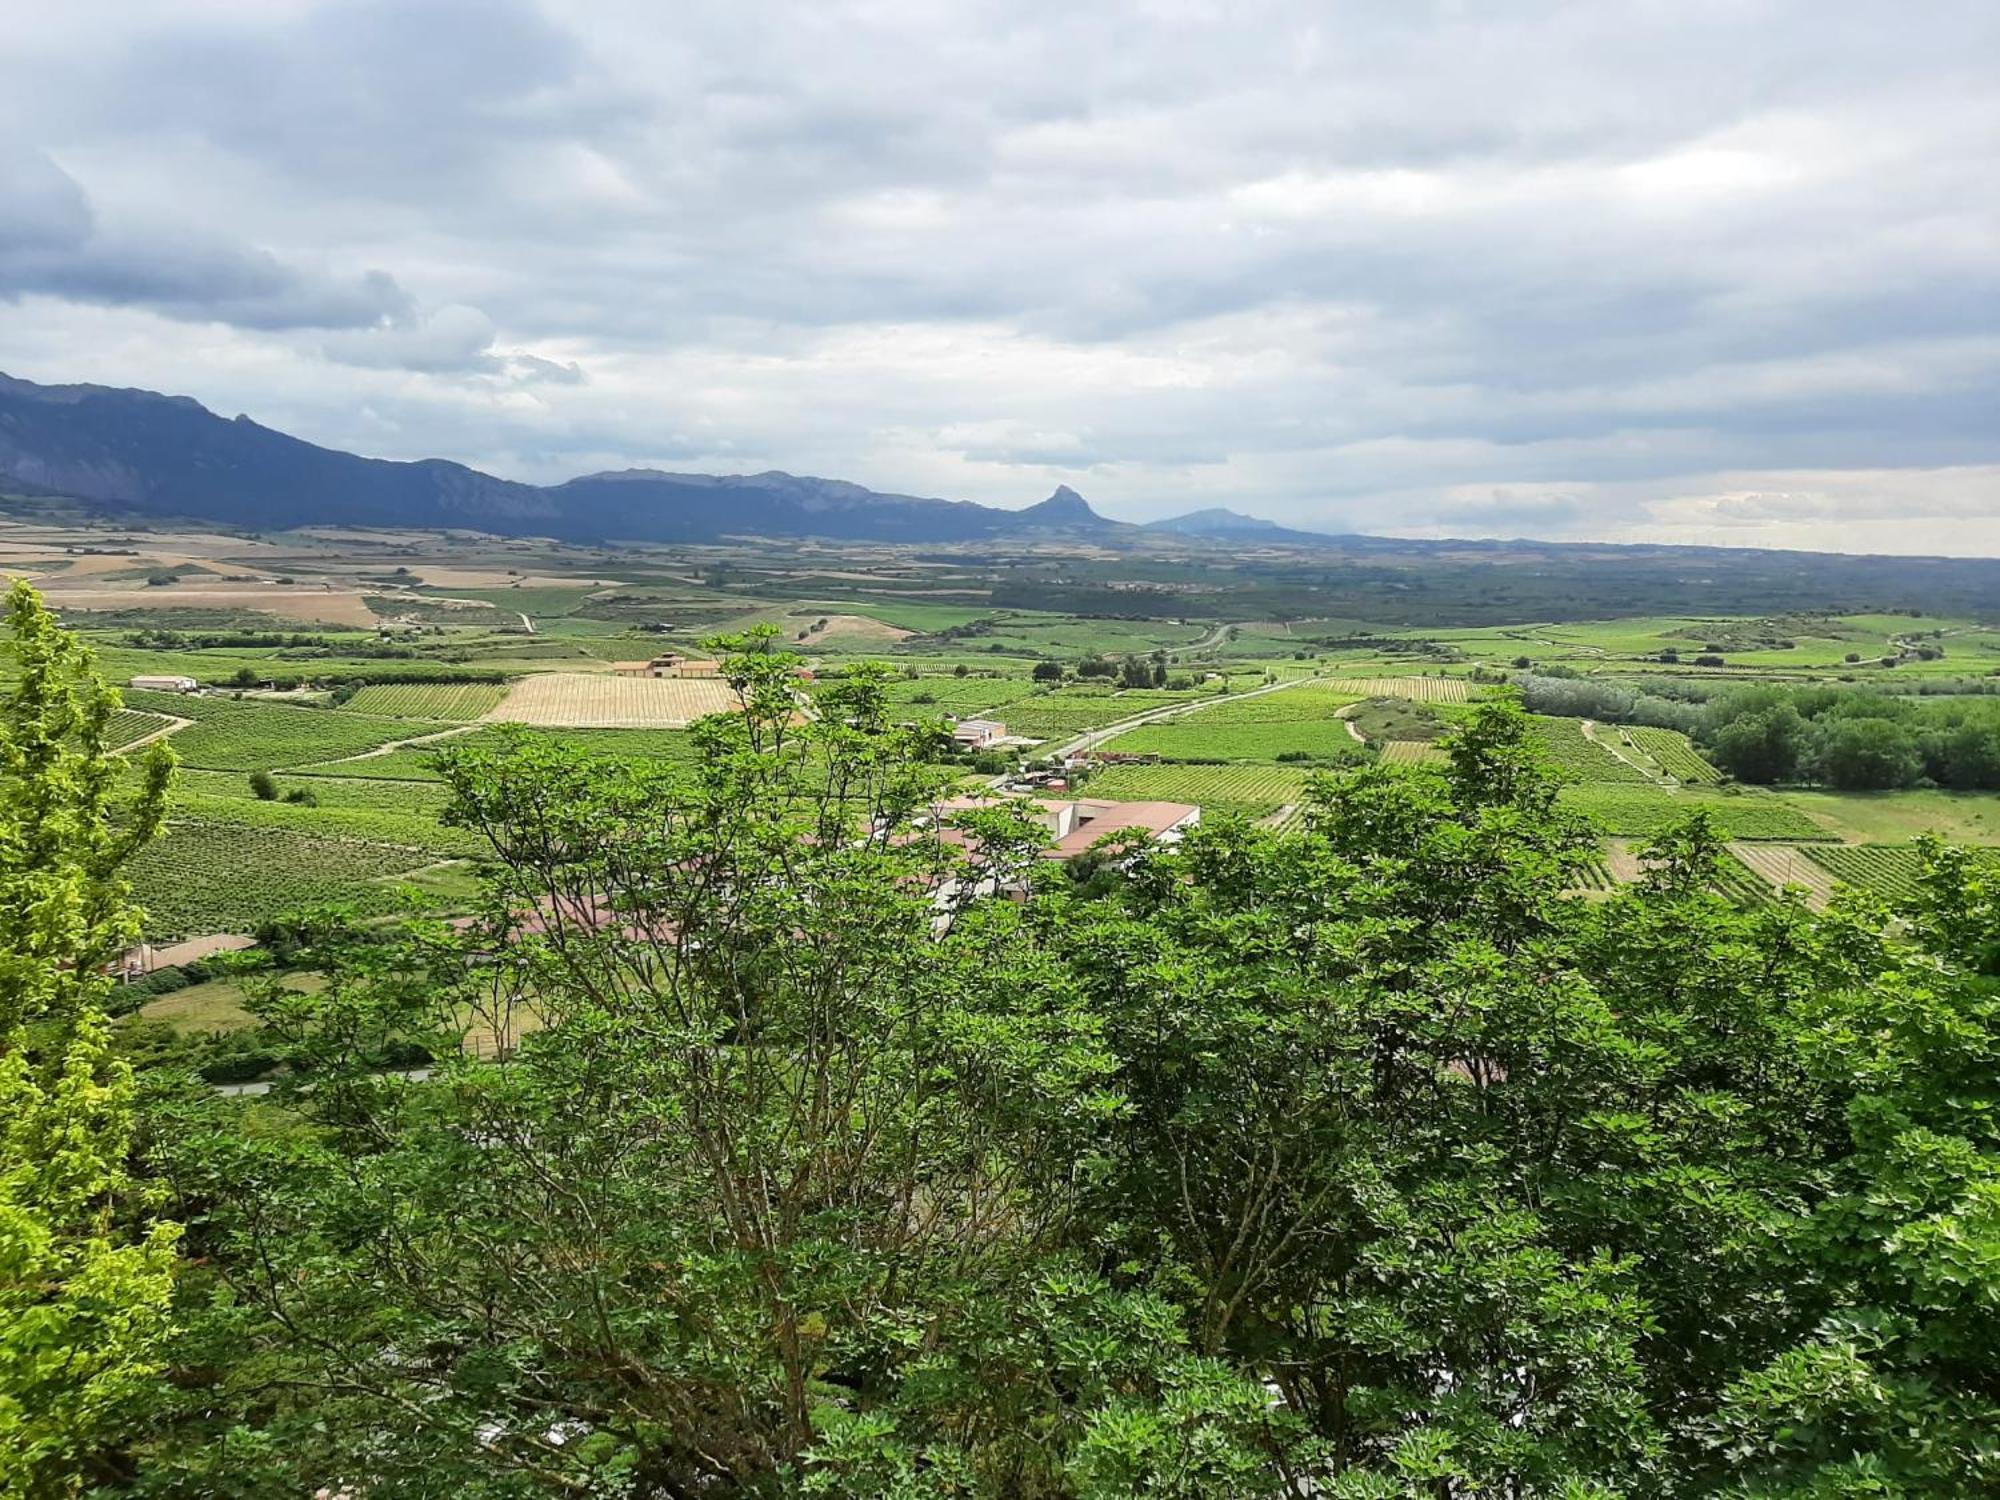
pixel 1689 270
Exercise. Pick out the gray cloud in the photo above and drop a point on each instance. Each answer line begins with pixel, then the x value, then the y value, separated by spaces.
pixel 1585 269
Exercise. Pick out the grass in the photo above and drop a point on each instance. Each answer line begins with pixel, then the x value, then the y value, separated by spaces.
pixel 217 1004
pixel 1896 817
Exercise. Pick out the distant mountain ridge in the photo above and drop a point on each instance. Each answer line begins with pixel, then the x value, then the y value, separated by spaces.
pixel 171 456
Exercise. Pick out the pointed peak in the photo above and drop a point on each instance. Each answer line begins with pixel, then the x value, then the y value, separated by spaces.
pixel 1063 508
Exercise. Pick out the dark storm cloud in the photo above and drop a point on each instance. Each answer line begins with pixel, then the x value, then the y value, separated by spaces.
pixel 1606 262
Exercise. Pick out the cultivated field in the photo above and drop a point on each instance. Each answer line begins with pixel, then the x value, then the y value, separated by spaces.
pixel 1676 755
pixel 1411 753
pixel 1250 790
pixel 1422 689
pixel 582 700
pixel 1782 865
pixel 429 700
pixel 1886 870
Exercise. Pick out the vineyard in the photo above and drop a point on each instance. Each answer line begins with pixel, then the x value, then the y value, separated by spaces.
pixel 1783 865
pixel 1575 757
pixel 1306 703
pixel 428 700
pixel 1058 715
pixel 232 735
pixel 1676 755
pixel 127 725
pixel 211 877
pixel 414 762
pixel 1198 736
pixel 1252 791
pixel 1422 689
pixel 1411 753
pixel 1641 811
pixel 1885 870
pixel 586 700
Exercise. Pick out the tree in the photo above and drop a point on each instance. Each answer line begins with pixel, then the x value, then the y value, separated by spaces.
pixel 1765 747
pixel 263 786
pixel 1048 671
pixel 1866 755
pixel 85 1267
pixel 1354 1160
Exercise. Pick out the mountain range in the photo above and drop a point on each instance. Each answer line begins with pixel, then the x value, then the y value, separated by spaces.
pixel 169 456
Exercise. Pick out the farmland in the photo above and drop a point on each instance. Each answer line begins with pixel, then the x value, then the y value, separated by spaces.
pixel 1885 870
pixel 1248 790
pixel 1643 810
pixel 1675 755
pixel 1193 737
pixel 1576 757
pixel 582 700
pixel 428 700
pixel 214 877
pixel 232 735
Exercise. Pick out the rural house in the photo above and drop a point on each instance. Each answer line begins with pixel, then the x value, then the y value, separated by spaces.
pixel 160 683
pixel 672 664
pixel 977 734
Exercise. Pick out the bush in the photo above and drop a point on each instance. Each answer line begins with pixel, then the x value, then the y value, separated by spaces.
pixel 264 786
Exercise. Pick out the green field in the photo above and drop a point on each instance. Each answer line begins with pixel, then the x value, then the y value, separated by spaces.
pixel 1640 811
pixel 217 877
pixel 1251 791
pixel 1575 757
pixel 1885 870
pixel 428 700
pixel 1675 754
pixel 1194 737
pixel 242 735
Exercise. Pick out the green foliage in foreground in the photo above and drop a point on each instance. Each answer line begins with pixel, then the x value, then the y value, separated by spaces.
pixel 84 1268
pixel 1354 1161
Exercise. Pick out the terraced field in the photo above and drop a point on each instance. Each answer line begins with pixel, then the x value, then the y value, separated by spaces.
pixel 429 700
pixel 1252 791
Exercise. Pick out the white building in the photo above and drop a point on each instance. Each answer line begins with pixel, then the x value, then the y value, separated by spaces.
pixel 977 734
pixel 160 683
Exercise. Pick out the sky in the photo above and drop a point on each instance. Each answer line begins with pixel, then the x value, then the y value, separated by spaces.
pixel 1717 271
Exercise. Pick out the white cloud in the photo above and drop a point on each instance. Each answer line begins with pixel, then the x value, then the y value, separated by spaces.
pixel 1614 270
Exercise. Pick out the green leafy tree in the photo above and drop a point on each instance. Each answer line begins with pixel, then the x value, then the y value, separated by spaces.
pixel 85 1270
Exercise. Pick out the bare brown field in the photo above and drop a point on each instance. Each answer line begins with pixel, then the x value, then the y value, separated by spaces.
pixel 588 700
pixel 493 578
pixel 327 607
pixel 845 628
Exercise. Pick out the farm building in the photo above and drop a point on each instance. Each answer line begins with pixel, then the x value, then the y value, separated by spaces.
pixel 156 683
pixel 1075 823
pixel 672 664
pixel 977 734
